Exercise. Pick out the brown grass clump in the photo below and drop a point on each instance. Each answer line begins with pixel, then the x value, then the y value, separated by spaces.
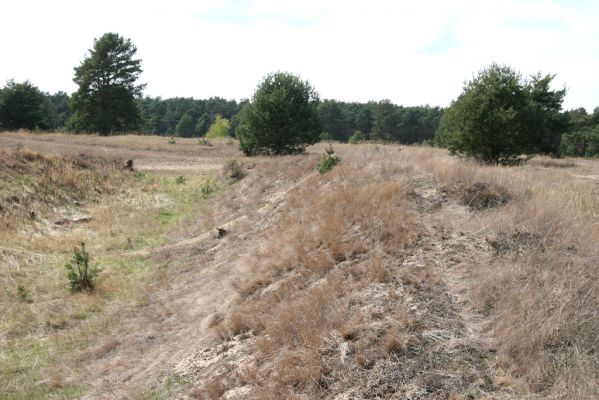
pixel 480 196
pixel 395 341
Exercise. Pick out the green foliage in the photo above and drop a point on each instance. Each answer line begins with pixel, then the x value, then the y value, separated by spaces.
pixel 185 126
pixel 356 138
pixel 386 121
pixel 207 187
pixel 161 116
pixel 204 142
pixel 24 106
pixel 80 273
pixel 105 101
pixel 180 179
pixel 172 140
pixel 282 117
pixel 500 117
pixel 334 118
pixel 584 143
pixel 233 170
pixel 328 160
pixel 23 294
pixel 219 128
pixel 325 137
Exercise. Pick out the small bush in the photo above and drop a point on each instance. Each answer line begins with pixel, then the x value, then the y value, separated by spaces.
pixel 356 138
pixel 233 170
pixel 172 140
pixel 219 128
pixel 179 180
pixel 23 294
pixel 325 137
pixel 328 161
pixel 80 274
pixel 207 187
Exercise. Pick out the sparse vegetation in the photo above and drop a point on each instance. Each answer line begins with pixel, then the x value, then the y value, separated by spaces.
pixel 207 187
pixel 23 294
pixel 80 273
pixel 328 160
pixel 374 279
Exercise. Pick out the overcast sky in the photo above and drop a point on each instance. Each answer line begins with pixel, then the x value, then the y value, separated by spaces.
pixel 411 52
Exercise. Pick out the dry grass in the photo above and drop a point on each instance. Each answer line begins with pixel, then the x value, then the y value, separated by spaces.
pixel 337 235
pixel 33 185
pixel 128 211
pixel 541 287
pixel 401 273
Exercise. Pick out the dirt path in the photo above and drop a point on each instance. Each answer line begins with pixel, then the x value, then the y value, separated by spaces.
pixel 454 252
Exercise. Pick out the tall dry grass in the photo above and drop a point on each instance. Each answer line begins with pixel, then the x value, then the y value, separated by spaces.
pixel 334 239
pixel 542 286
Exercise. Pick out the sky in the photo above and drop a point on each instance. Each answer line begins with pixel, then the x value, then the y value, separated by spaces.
pixel 410 52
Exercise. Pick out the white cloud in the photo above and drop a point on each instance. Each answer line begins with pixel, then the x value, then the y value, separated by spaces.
pixel 410 52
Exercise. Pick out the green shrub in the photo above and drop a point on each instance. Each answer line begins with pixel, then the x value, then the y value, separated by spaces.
pixel 219 128
pixel 207 187
pixel 204 142
pixel 172 140
pixel 80 274
pixel 180 179
pixel 325 137
pixel 281 118
pixel 328 161
pixel 356 138
pixel 23 294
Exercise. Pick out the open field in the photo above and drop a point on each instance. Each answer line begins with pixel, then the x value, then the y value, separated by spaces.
pixel 401 273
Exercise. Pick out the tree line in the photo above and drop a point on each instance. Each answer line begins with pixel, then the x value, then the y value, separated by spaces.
pixel 109 101
pixel 24 106
pixel 499 113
